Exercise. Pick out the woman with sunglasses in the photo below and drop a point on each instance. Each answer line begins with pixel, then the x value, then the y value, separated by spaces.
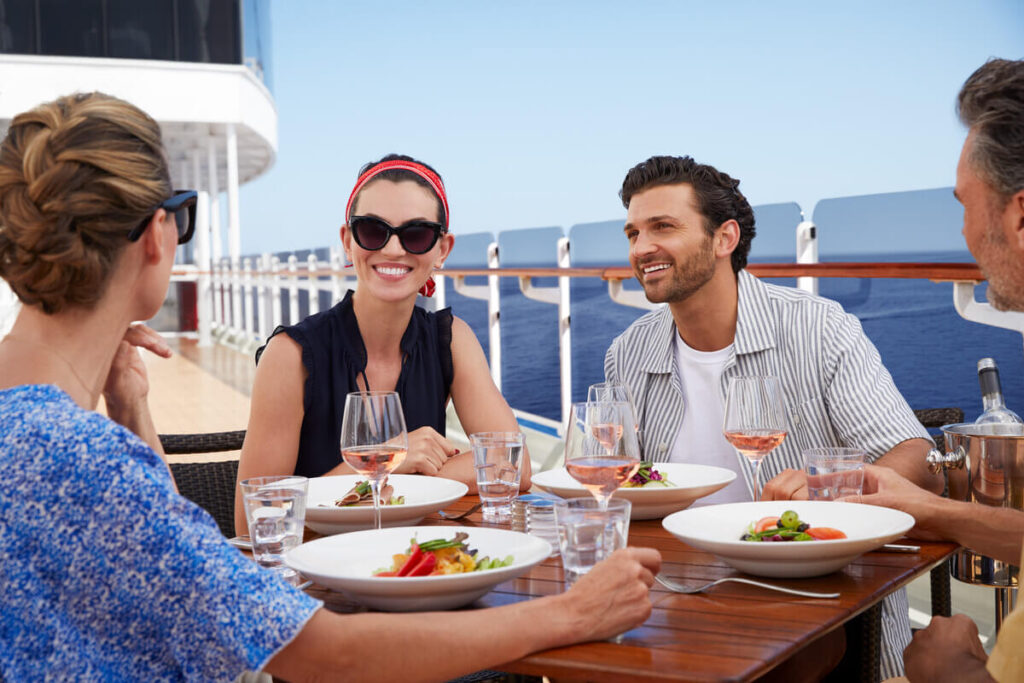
pixel 396 234
pixel 109 574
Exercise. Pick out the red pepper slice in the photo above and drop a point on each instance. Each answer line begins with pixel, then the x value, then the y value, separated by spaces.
pixel 414 558
pixel 425 566
pixel 385 574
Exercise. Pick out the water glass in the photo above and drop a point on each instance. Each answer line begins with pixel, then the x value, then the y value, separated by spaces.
pixel 275 508
pixel 534 514
pixel 496 458
pixel 588 534
pixel 834 473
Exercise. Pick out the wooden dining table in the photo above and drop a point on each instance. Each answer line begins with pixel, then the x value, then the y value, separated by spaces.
pixel 732 632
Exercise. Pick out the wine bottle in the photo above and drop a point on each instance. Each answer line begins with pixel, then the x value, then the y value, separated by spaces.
pixel 996 411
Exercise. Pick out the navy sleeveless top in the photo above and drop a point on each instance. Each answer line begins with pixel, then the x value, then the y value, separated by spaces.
pixel 334 356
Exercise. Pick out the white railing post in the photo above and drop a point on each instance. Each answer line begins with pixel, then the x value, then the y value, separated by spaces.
pixel 314 288
pixel 261 286
pixel 9 307
pixel 807 252
pixel 494 313
pixel 489 293
pixel 204 293
pixel 275 295
pixel 440 299
pixel 237 321
pixel 293 289
pixel 337 261
pixel 248 329
pixel 218 316
pixel 560 296
pixel 221 308
pixel 564 329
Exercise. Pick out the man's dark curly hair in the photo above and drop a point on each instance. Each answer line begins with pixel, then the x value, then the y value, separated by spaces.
pixel 718 195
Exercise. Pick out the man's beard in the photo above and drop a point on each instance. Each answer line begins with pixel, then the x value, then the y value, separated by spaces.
pixel 1003 270
pixel 686 279
pixel 1006 296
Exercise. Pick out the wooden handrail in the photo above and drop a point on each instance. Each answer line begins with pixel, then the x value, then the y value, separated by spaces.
pixel 938 272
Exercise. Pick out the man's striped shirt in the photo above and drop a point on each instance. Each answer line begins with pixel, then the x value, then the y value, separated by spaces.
pixel 837 392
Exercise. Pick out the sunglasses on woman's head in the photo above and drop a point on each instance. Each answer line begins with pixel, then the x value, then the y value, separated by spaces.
pixel 416 237
pixel 183 205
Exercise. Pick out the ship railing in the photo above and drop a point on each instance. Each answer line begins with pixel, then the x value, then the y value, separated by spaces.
pixel 244 303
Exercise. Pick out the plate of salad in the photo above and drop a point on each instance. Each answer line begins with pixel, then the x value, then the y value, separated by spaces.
pixel 343 503
pixel 788 538
pixel 413 569
pixel 656 490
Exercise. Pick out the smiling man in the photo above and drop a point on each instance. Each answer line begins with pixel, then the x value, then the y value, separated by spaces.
pixel 689 230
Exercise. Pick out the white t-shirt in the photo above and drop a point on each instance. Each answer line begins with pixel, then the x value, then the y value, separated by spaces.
pixel 699 440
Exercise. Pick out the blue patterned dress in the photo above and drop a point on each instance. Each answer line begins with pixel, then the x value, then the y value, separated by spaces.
pixel 106 572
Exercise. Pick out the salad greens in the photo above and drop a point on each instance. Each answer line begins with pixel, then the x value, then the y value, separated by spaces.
pixel 788 527
pixel 647 475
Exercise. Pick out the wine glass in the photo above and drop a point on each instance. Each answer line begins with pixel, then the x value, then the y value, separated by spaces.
pixel 601 449
pixel 613 391
pixel 374 440
pixel 755 420
pixel 609 391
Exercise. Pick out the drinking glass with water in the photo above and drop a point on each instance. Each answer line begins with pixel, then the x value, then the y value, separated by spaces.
pixel 275 508
pixel 834 473
pixel 588 534
pixel 497 459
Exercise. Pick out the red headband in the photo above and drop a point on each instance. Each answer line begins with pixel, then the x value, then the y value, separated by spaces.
pixel 419 169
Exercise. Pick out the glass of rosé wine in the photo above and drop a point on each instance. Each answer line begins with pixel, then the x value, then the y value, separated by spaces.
pixel 755 419
pixel 601 447
pixel 374 440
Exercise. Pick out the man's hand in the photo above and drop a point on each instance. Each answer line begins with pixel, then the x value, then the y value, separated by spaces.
pixel 887 488
pixel 789 485
pixel 428 452
pixel 948 650
pixel 613 596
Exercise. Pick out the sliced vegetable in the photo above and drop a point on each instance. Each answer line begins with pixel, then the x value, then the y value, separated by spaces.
pixel 825 533
pixel 414 558
pixel 439 543
pixel 426 565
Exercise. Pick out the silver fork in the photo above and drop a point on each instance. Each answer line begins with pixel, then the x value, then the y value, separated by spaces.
pixel 461 515
pixel 680 588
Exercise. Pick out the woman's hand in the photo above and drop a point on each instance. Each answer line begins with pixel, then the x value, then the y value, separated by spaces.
pixel 127 382
pixel 428 452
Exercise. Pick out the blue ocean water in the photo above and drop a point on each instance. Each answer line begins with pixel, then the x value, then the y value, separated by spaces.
pixel 931 352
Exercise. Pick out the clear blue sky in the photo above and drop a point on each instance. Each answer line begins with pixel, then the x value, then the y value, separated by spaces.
pixel 534 111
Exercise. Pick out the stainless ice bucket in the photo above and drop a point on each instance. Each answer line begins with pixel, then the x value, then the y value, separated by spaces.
pixel 985 464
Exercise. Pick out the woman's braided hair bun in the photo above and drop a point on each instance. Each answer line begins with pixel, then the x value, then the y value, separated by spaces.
pixel 76 175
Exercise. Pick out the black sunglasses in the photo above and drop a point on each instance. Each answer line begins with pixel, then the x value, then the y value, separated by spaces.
pixel 183 205
pixel 416 237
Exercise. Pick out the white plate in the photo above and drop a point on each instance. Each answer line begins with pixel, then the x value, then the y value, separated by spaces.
pixel 423 495
pixel 652 502
pixel 346 564
pixel 718 528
